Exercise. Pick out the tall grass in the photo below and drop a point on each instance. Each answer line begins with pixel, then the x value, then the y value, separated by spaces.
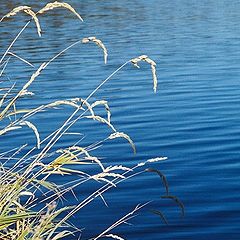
pixel 28 191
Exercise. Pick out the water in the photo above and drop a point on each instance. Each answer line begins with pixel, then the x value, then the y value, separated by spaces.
pixel 193 119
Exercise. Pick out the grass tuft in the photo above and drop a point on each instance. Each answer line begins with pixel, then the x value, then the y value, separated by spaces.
pixel 29 192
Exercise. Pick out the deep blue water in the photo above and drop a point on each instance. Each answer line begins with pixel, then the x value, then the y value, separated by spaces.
pixel 193 119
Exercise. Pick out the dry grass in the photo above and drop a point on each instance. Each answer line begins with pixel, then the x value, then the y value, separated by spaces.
pixel 145 58
pixel 102 120
pixel 125 136
pixel 15 11
pixel 98 43
pixel 105 104
pixel 28 198
pixel 113 236
pixel 48 7
pixel 35 130
pixel 35 18
pixel 28 11
pixel 56 4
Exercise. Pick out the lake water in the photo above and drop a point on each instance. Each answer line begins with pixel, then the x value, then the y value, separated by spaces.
pixel 193 119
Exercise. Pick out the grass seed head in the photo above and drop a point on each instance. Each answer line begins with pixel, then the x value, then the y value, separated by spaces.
pixel 99 43
pixel 35 130
pixel 57 4
pixel 145 58
pixel 157 159
pixel 125 136
pixel 114 236
pixel 35 18
pixel 105 104
pixel 15 11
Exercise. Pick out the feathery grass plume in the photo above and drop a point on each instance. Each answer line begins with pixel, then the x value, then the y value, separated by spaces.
pixel 33 127
pixel 99 179
pixel 154 74
pixel 34 75
pixel 85 102
pixel 98 43
pixel 105 103
pixel 28 11
pixel 145 58
pixel 102 177
pixel 57 4
pixel 177 200
pixel 157 159
pixel 15 11
pixel 125 136
pixel 96 160
pixel 80 150
pixel 12 102
pixel 72 102
pixel 35 18
pixel 114 236
pixel 141 164
pixel 107 174
pixel 26 93
pixel 74 152
pixel 136 60
pixel 102 120
pixel 117 167
pixel 152 160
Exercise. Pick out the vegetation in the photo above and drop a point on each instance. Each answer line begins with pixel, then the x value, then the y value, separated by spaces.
pixel 28 193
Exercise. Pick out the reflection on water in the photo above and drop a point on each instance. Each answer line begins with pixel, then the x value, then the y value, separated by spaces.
pixel 193 119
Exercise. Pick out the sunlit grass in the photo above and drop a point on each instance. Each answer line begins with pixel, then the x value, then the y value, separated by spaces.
pixel 28 198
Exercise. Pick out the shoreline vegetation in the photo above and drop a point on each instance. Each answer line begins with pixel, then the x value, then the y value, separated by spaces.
pixel 28 198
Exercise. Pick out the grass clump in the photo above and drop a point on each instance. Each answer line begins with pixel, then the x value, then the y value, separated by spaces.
pixel 28 194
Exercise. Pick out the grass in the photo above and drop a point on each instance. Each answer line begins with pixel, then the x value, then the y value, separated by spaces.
pixel 29 196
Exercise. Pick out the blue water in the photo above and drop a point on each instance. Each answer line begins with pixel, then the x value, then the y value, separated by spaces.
pixel 193 119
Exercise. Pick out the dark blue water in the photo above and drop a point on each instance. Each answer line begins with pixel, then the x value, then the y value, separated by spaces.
pixel 193 119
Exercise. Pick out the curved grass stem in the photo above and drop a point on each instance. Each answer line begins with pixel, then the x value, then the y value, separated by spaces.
pixel 14 40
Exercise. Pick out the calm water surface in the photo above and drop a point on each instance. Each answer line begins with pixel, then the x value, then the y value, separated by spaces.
pixel 193 119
